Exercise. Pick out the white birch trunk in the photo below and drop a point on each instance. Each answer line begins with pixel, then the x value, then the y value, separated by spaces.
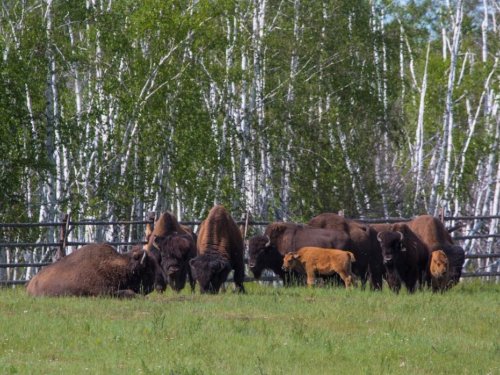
pixel 442 176
pixel 418 164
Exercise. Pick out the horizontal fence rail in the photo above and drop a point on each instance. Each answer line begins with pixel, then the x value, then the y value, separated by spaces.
pixel 66 226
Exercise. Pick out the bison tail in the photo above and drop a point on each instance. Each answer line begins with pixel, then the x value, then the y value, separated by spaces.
pixel 353 259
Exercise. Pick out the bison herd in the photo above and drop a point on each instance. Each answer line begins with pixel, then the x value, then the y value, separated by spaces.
pixel 417 254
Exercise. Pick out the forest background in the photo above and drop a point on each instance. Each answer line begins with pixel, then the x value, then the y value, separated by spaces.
pixel 284 109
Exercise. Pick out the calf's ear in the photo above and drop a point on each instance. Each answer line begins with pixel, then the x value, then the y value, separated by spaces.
pixel 295 256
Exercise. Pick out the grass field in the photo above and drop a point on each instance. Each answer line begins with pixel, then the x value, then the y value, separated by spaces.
pixel 268 331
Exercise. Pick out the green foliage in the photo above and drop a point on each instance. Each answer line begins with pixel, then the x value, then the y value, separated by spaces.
pixel 269 330
pixel 168 105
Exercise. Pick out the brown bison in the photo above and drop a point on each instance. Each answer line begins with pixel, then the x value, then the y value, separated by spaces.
pixel 220 248
pixel 405 257
pixel 438 271
pixel 176 250
pixel 174 245
pixel 363 244
pixel 267 251
pixel 435 235
pixel 314 261
pixel 99 270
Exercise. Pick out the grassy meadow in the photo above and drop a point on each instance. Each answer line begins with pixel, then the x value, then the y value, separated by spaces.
pixel 268 331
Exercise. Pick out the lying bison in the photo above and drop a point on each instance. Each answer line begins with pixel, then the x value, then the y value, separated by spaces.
pixel 220 249
pixel 313 261
pixel 267 251
pixel 99 270
pixel 405 257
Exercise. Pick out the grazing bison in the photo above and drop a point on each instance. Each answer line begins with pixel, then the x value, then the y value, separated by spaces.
pixel 176 250
pixel 314 261
pixel 363 244
pixel 219 243
pixel 405 257
pixel 267 251
pixel 435 235
pixel 99 270
pixel 211 269
pixel 438 271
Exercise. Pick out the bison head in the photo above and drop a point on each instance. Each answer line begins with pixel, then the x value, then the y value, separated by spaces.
pixel 261 254
pixel 146 272
pixel 291 262
pixel 210 270
pixel 176 250
pixel 391 243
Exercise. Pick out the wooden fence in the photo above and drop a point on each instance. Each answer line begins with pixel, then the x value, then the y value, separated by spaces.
pixel 65 226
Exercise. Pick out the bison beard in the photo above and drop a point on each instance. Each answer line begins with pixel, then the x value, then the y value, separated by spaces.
pixel 211 270
pixel 175 252
pixel 97 270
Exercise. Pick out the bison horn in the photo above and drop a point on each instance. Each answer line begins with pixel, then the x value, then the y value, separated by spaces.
pixel 143 257
pixel 155 244
pixel 379 237
pixel 268 243
pixel 401 235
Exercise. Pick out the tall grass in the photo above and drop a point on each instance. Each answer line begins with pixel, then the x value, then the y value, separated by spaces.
pixel 268 331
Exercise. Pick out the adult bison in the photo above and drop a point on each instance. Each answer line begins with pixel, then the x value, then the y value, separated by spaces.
pixel 435 235
pixel 267 251
pixel 174 245
pixel 405 257
pixel 364 244
pixel 176 250
pixel 220 249
pixel 99 270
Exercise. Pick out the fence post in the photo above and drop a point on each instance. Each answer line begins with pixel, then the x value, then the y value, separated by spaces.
pixel 63 237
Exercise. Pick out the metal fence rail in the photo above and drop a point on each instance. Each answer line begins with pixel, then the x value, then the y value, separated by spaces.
pixel 66 225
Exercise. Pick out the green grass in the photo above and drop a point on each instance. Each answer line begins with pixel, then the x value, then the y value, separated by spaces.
pixel 268 331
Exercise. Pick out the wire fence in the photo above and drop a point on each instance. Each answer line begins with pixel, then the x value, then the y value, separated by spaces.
pixel 20 258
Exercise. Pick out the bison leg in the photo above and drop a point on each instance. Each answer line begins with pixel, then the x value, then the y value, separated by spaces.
pixel 310 280
pixel 192 281
pixel 239 277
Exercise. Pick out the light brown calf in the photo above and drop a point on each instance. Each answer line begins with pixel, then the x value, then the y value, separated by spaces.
pixel 318 261
pixel 439 271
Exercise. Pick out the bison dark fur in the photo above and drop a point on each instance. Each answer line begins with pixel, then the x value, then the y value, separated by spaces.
pixel 405 257
pixel 99 270
pixel 210 269
pixel 176 250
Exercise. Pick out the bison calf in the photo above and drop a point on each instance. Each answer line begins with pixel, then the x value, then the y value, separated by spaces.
pixel 319 261
pixel 439 271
